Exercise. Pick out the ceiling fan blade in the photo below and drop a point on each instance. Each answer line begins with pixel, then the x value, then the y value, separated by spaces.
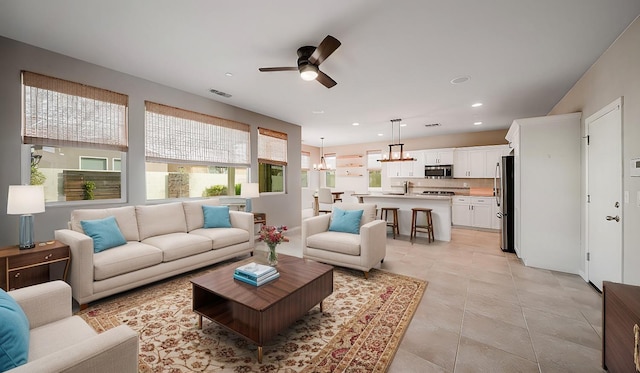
pixel 325 80
pixel 324 50
pixel 270 69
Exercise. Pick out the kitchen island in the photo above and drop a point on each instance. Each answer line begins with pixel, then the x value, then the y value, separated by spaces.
pixel 440 206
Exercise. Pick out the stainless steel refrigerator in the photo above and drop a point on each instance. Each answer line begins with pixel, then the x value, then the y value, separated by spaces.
pixel 505 202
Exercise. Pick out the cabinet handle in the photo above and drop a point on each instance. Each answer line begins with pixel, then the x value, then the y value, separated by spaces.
pixel 47 257
pixel 17 275
pixel 636 352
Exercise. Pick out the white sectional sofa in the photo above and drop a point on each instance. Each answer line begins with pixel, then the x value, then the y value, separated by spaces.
pixel 162 241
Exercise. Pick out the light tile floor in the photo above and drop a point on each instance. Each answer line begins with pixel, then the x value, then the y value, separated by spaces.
pixel 483 311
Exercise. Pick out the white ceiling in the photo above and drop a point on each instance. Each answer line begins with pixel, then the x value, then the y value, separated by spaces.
pixel 396 60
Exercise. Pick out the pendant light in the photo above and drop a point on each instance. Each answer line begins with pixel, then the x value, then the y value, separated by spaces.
pixel 323 163
pixel 401 157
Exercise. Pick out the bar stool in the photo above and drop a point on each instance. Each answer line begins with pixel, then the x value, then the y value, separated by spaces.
pixel 428 228
pixel 394 224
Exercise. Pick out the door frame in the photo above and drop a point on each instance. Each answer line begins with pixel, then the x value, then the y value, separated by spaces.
pixel 616 104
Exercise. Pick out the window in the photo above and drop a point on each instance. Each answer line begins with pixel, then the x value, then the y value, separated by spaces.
pixel 272 160
pixel 116 164
pixel 93 163
pixel 305 162
pixel 65 122
pixel 190 154
pixel 330 174
pixel 374 169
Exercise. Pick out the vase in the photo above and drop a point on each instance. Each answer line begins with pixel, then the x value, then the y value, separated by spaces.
pixel 272 255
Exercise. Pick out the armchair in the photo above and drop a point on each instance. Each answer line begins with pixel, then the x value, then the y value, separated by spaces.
pixel 360 251
pixel 60 342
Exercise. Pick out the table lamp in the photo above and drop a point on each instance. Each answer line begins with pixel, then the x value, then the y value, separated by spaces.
pixel 248 191
pixel 25 200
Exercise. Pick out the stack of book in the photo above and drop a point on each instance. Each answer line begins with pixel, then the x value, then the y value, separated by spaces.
pixel 256 274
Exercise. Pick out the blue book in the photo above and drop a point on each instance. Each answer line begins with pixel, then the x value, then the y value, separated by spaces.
pixel 263 281
pixel 255 271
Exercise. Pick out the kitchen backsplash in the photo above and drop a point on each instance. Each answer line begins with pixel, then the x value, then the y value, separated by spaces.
pixel 459 186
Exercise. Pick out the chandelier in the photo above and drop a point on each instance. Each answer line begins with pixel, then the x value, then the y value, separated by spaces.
pixel 396 157
pixel 323 163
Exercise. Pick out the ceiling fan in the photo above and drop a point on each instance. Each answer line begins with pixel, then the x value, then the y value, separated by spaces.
pixel 309 58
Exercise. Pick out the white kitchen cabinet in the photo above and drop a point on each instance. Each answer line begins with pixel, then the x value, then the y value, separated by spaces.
pixel 547 191
pixel 461 211
pixel 492 157
pixel 434 157
pixel 472 211
pixel 404 169
pixel 469 163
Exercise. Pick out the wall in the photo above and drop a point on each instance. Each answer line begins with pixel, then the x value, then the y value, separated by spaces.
pixel 616 74
pixel 18 56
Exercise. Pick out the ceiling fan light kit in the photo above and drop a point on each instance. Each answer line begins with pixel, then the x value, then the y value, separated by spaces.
pixel 309 58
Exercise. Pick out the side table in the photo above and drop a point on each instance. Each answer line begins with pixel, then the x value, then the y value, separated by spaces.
pixel 20 268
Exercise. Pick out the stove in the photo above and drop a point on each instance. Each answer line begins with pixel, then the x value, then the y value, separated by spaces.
pixel 439 192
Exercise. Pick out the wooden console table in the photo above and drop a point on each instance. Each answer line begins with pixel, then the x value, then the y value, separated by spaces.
pixel 20 268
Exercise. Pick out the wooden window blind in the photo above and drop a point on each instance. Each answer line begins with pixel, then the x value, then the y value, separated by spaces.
pixel 182 136
pixel 305 161
pixel 272 147
pixel 58 113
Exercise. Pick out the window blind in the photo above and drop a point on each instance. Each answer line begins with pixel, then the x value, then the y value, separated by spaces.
pixel 373 156
pixel 58 112
pixel 305 161
pixel 179 136
pixel 272 147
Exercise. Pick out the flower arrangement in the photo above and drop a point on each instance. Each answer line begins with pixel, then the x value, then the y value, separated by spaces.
pixel 273 235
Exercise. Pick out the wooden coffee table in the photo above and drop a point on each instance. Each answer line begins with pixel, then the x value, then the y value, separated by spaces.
pixel 258 313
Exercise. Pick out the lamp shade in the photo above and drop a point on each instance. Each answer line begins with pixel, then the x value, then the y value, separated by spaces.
pixel 25 199
pixel 249 190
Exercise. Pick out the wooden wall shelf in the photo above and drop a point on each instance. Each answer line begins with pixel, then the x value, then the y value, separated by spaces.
pixel 349 156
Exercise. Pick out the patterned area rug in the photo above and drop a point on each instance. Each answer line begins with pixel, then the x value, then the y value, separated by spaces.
pixel 359 331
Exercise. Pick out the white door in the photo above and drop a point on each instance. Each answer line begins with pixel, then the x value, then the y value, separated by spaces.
pixel 604 187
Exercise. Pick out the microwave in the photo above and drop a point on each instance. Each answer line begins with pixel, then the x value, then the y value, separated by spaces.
pixel 438 172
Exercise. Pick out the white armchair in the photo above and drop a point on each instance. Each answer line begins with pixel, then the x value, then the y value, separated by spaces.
pixel 358 251
pixel 60 342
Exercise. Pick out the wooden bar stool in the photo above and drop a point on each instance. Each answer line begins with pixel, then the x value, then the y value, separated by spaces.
pixel 428 228
pixel 394 224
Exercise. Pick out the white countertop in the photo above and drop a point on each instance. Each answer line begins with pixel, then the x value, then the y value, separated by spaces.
pixel 406 196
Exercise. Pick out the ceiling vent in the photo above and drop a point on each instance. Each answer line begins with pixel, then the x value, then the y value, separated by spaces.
pixel 432 125
pixel 219 93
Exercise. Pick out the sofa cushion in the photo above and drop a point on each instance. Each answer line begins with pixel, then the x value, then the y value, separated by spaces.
pixel 124 259
pixel 369 210
pixel 14 333
pixel 223 237
pixel 347 221
pixel 104 232
pixel 67 332
pixel 193 212
pixel 156 220
pixel 339 242
pixel 179 245
pixel 125 216
pixel 216 217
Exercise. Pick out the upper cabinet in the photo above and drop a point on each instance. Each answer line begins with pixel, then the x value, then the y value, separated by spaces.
pixel 477 162
pixel 407 169
pixel 438 157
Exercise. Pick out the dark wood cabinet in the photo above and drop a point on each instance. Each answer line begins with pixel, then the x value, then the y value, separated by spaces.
pixel 620 314
pixel 20 268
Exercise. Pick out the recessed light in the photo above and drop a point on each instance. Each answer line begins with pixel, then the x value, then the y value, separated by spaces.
pixel 317 112
pixel 477 104
pixel 477 123
pixel 380 134
pixel 403 124
pixel 355 124
pixel 460 79
pixel 228 74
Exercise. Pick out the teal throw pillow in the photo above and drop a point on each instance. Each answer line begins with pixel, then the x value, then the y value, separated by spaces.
pixel 216 217
pixel 347 221
pixel 105 233
pixel 14 333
